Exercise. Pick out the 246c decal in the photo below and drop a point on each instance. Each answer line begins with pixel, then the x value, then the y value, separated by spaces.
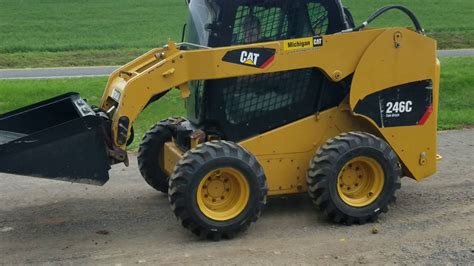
pixel 408 104
pixel 252 57
pixel 394 109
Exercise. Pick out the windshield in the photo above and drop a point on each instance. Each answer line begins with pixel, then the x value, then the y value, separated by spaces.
pixel 199 16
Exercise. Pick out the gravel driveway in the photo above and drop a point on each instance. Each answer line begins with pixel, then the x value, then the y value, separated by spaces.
pixel 126 222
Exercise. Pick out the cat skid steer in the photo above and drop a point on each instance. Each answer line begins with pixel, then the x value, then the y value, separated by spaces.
pixel 282 97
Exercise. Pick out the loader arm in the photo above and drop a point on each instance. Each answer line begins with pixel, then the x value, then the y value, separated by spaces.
pixel 131 87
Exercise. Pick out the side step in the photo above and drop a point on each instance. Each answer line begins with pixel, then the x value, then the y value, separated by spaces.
pixel 61 138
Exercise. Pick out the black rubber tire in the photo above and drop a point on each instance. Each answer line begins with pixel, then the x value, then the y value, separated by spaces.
pixel 150 156
pixel 331 158
pixel 194 166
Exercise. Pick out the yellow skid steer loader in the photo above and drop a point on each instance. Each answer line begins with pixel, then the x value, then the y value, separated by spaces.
pixel 282 97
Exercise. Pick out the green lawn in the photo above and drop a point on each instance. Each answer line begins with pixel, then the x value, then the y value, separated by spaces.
pixel 457 93
pixel 450 22
pixel 87 32
pixel 18 93
pixel 456 109
pixel 48 33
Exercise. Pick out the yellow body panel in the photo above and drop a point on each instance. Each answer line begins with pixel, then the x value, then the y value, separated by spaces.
pixel 378 58
pixel 383 66
pixel 285 153
pixel 171 155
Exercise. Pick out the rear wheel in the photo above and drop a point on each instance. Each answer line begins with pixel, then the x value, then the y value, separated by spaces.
pixel 150 156
pixel 353 177
pixel 217 190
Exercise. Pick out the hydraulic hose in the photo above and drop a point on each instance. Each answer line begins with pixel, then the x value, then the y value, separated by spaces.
pixel 383 10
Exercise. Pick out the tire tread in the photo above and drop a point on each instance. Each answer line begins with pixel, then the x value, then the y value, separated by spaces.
pixel 181 178
pixel 322 167
pixel 147 159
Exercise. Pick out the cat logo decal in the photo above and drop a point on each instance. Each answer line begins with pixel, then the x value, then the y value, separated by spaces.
pixel 249 58
pixel 252 57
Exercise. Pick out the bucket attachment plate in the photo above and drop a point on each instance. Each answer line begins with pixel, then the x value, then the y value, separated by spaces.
pixel 61 138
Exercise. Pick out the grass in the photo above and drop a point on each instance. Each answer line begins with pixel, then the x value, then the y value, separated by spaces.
pixel 456 99
pixel 87 32
pixel 457 93
pixel 68 25
pixel 109 32
pixel 450 22
pixel 18 93
pixel 70 58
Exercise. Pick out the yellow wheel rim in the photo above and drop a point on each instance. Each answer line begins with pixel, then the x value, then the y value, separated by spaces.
pixel 223 194
pixel 360 181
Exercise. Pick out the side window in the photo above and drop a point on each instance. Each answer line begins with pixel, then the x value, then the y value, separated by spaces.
pixel 318 16
pixel 259 24
pixel 258 103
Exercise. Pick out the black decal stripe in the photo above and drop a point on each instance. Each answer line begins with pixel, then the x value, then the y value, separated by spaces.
pixel 419 94
pixel 427 115
pixel 268 62
pixel 264 55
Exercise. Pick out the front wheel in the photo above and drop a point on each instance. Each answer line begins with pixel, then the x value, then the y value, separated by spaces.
pixel 353 177
pixel 150 156
pixel 217 190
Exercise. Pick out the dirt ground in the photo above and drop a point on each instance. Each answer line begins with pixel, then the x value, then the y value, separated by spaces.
pixel 126 222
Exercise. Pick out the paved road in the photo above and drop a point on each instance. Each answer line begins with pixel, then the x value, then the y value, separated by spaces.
pixel 41 73
pixel 49 73
pixel 456 53
pixel 126 222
